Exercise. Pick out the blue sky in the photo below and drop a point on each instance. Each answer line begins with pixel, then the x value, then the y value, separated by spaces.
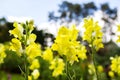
pixel 38 9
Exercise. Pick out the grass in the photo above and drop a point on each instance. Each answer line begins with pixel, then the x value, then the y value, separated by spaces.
pixel 4 76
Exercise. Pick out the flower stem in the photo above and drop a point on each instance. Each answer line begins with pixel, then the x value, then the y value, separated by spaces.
pixel 25 56
pixel 26 68
pixel 94 62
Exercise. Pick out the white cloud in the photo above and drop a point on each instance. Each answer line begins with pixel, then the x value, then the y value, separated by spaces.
pixel 18 19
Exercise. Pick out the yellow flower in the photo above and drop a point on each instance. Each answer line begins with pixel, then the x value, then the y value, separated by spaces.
pixel 100 68
pixel 118 27
pixel 31 38
pixel 30 26
pixel 66 44
pixel 115 64
pixel 16 46
pixel 57 65
pixel 93 34
pixel 73 33
pixel 32 51
pixel 17 32
pixel 2 53
pixel 91 69
pixel 111 74
pixel 35 64
pixel 24 42
pixel 48 55
pixel 35 74
pixel 63 31
pixel 29 77
pixel 82 53
pixel 97 43
pixel 118 40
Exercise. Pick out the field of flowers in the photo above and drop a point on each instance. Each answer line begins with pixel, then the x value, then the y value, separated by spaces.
pixel 66 59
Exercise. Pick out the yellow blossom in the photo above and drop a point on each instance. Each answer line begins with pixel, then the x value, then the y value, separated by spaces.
pixel 118 40
pixel 35 74
pixel 81 53
pixel 29 77
pixel 35 64
pixel 97 43
pixel 32 51
pixel 2 53
pixel 16 46
pixel 93 34
pixel 31 38
pixel 57 65
pixel 30 26
pixel 91 69
pixel 118 27
pixel 66 44
pixel 73 33
pixel 48 55
pixel 17 32
pixel 24 44
pixel 115 64
pixel 100 68
pixel 111 74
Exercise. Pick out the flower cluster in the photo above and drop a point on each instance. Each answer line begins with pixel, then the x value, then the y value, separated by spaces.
pixel 93 34
pixel 57 65
pixel 115 61
pixel 115 65
pixel 2 53
pixel 91 69
pixel 24 45
pixel 66 44
pixel 64 47
pixel 118 30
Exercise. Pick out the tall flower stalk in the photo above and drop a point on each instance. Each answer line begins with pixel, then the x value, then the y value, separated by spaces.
pixel 93 36
pixel 2 53
pixel 24 45
pixel 68 50
pixel 115 61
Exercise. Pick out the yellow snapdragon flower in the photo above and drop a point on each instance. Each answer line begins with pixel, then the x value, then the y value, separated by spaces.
pixel 16 46
pixel 31 38
pixel 115 64
pixel 111 74
pixel 92 33
pixel 91 69
pixel 118 30
pixel 29 77
pixel 17 32
pixel 57 65
pixel 24 44
pixel 48 55
pixel 81 53
pixel 35 74
pixel 2 53
pixel 66 44
pixel 35 64
pixel 32 51
pixel 100 68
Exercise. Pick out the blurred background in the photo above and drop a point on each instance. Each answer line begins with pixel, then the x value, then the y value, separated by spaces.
pixel 48 15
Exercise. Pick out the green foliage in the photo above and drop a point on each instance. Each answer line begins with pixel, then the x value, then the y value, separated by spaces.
pixel 12 62
pixel 6 76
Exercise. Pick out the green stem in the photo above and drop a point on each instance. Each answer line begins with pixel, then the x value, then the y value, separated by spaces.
pixel 26 68
pixel 66 70
pixel 94 62
pixel 25 56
